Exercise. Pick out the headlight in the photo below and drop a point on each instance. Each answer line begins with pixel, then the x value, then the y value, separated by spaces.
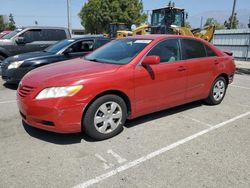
pixel 54 92
pixel 15 64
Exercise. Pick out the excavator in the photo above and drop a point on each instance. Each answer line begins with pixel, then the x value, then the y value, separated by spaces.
pixel 166 20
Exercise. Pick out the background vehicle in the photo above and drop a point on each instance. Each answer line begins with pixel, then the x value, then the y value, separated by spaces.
pixel 171 20
pixel 30 39
pixel 15 67
pixel 126 78
pixel 3 33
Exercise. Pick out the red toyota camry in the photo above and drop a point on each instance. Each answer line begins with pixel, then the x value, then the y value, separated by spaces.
pixel 124 79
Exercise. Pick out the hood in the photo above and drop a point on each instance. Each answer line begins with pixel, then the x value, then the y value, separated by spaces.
pixel 4 42
pixel 29 56
pixel 68 72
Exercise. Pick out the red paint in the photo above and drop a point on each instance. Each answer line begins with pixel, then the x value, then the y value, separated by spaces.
pixel 149 88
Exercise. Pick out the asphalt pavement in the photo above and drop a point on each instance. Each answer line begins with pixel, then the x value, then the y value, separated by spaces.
pixel 193 145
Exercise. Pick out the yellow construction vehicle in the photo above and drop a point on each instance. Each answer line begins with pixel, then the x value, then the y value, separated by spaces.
pixel 118 30
pixel 121 30
pixel 171 20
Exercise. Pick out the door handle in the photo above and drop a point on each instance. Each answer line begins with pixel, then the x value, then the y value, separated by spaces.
pixel 181 68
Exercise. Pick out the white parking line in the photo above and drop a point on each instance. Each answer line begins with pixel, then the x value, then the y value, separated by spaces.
pixel 6 102
pixel 136 162
pixel 242 87
pixel 198 121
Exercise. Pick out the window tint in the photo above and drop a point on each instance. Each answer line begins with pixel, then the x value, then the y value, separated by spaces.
pixel 82 46
pixel 192 49
pixel 210 52
pixel 32 35
pixel 168 50
pixel 53 34
pixel 101 42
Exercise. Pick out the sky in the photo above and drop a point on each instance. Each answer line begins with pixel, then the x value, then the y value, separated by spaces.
pixel 54 12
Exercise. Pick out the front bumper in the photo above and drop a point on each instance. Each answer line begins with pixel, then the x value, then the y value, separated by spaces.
pixel 61 115
pixel 14 76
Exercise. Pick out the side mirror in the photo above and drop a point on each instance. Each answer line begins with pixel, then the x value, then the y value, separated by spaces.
pixel 151 60
pixel 20 40
pixel 68 51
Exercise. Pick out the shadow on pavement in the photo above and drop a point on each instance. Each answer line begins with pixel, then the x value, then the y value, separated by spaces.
pixel 242 71
pixel 67 139
pixel 11 86
pixel 161 114
pixel 56 138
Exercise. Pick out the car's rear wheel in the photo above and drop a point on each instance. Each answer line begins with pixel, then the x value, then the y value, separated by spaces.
pixel 217 91
pixel 105 117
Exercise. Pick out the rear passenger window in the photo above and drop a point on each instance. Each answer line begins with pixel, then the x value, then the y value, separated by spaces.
pixel 210 52
pixel 192 49
pixel 168 50
pixel 53 34
pixel 101 42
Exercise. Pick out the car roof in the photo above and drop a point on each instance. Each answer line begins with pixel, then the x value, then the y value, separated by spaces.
pixel 163 36
pixel 89 37
pixel 42 27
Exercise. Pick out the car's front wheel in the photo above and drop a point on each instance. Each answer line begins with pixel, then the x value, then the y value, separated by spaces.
pixel 105 117
pixel 1 59
pixel 217 91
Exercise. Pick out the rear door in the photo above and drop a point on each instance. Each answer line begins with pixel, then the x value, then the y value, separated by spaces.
pixel 200 65
pixel 164 85
pixel 50 36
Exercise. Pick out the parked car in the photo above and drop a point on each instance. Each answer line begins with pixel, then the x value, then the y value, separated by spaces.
pixel 15 67
pixel 30 39
pixel 3 33
pixel 124 79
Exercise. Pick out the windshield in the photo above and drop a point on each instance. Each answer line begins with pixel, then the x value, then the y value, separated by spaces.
pixel 12 34
pixel 59 45
pixel 157 18
pixel 178 19
pixel 119 51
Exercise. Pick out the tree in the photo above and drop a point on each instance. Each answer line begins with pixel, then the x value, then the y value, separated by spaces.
pixel 213 21
pixel 96 15
pixel 235 22
pixel 11 25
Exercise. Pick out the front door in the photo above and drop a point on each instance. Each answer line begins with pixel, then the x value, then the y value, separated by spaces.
pixel 163 85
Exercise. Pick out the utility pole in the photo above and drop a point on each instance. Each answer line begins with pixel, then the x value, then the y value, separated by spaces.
pixel 69 15
pixel 201 24
pixel 232 16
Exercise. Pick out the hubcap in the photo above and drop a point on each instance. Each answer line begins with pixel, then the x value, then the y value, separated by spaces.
pixel 219 90
pixel 108 117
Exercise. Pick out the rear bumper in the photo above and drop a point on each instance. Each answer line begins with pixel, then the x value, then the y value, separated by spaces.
pixel 54 115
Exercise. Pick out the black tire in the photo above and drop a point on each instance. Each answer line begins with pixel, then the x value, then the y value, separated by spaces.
pixel 89 125
pixel 1 59
pixel 212 100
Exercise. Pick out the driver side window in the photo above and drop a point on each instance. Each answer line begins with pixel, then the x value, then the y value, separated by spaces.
pixel 168 51
pixel 32 35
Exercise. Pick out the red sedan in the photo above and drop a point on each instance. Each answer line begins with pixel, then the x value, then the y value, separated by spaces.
pixel 3 33
pixel 124 79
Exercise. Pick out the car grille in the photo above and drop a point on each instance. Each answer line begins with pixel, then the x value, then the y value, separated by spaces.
pixel 24 91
